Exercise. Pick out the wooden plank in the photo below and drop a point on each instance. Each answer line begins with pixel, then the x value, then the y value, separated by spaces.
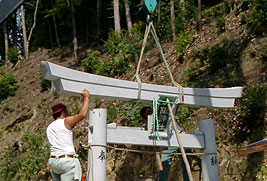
pixel 135 136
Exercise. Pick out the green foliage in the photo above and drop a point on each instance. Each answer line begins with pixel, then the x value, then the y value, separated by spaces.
pixel 229 80
pixel 92 63
pixel 7 109
pixel 25 163
pixel 111 113
pixel 185 116
pixel 218 55
pixel 182 41
pixel 13 54
pixel 182 17
pixel 45 84
pixel 257 19
pixel 121 51
pixel 8 86
pixel 113 65
pixel 120 44
pixel 220 23
pixel 130 113
pixel 251 116
pixel 215 14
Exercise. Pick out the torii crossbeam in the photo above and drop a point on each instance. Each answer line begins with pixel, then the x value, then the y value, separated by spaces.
pixel 72 82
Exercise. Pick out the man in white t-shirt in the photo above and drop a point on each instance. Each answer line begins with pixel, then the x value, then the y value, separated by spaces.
pixel 63 160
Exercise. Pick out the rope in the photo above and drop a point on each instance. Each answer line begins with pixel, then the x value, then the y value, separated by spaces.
pixel 156 103
pixel 142 151
pixel 150 27
pixel 181 98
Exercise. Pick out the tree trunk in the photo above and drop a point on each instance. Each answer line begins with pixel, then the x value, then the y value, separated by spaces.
pixel 117 16
pixel 50 34
pixel 128 16
pixel 24 32
pixel 15 33
pixel 56 32
pixel 33 26
pixel 55 27
pixel 183 5
pixel 98 10
pixel 173 21
pixel 199 16
pixel 75 41
pixel 159 11
pixel 6 40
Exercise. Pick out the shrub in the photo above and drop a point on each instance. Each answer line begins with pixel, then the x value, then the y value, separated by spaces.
pixel 45 84
pixel 26 167
pixel 7 109
pixel 92 63
pixel 13 54
pixel 257 21
pixel 218 55
pixel 111 113
pixel 229 80
pixel 185 116
pixel 182 41
pixel 112 66
pixel 8 86
pixel 130 113
pixel 251 117
pixel 120 44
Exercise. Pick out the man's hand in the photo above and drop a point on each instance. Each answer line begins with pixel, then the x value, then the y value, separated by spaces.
pixel 85 93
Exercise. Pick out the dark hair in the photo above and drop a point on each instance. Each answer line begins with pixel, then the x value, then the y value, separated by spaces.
pixel 145 111
pixel 57 115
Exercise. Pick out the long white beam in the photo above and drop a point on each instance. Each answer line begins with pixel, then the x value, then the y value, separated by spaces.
pixel 138 136
pixel 73 82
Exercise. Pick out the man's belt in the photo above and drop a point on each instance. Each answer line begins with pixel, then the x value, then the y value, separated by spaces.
pixel 63 156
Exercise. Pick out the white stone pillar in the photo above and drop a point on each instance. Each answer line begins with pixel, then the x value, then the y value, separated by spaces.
pixel 209 161
pixel 97 135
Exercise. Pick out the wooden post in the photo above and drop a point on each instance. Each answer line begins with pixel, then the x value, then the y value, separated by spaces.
pixel 188 169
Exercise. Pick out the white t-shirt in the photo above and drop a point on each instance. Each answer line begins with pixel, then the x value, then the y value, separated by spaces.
pixel 60 138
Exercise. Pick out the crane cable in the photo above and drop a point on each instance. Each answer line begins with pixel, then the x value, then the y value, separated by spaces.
pixel 150 27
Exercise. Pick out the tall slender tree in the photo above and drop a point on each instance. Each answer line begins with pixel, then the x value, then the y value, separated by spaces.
pixel 98 14
pixel 25 38
pixel 128 16
pixel 6 40
pixel 173 21
pixel 24 32
pixel 55 26
pixel 75 41
pixel 183 4
pixel 199 15
pixel 116 5
pixel 159 11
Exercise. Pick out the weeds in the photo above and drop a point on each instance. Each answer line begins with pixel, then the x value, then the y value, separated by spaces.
pixel 25 163
pixel 182 41
pixel 8 86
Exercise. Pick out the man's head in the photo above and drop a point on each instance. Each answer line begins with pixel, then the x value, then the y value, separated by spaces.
pixel 58 109
pixel 145 111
